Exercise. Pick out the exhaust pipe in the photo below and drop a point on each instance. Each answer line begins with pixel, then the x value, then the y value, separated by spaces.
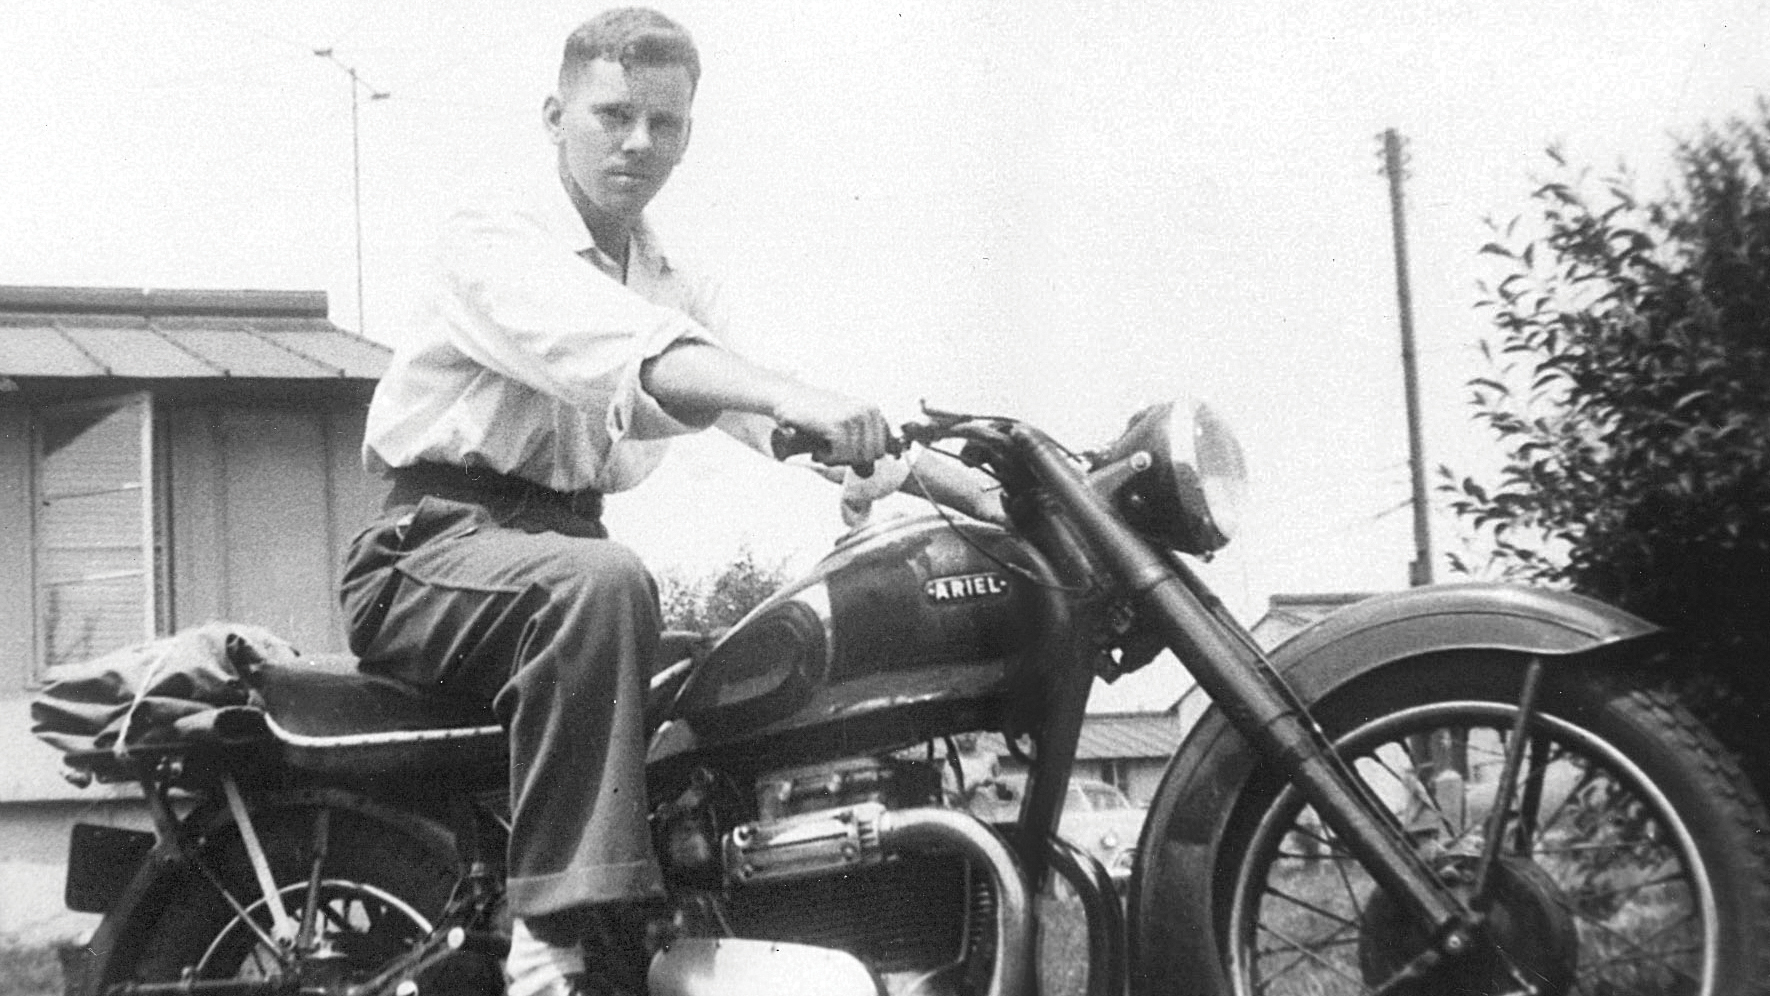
pixel 829 842
pixel 930 829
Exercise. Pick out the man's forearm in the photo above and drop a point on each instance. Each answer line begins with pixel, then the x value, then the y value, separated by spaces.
pixel 695 382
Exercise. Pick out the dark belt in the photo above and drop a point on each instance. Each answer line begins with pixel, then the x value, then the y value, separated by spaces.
pixel 487 487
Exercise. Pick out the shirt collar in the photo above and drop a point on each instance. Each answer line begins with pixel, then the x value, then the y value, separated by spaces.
pixel 561 217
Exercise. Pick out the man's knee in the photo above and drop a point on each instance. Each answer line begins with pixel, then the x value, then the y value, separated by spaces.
pixel 591 572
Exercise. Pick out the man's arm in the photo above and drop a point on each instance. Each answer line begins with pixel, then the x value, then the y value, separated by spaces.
pixel 695 381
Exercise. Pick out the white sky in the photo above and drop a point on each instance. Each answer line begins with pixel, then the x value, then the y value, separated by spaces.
pixel 1058 210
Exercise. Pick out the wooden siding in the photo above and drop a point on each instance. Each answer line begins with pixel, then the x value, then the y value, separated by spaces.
pixel 17 643
pixel 263 501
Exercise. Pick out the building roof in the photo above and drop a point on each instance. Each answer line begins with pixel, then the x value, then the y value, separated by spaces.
pixel 1117 736
pixel 178 334
pixel 1288 615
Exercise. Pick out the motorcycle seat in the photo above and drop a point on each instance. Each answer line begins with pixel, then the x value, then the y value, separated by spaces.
pixel 329 716
pixel 327 696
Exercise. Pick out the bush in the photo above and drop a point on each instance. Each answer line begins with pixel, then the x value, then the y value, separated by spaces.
pixel 720 599
pixel 1630 389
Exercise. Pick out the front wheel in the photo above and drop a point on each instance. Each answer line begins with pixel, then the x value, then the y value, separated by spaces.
pixel 1632 857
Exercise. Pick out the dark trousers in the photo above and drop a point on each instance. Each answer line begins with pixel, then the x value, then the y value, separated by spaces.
pixel 521 601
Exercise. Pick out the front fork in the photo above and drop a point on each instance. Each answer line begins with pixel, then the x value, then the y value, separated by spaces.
pixel 1237 676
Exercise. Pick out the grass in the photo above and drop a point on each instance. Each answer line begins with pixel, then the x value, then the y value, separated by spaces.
pixel 1062 945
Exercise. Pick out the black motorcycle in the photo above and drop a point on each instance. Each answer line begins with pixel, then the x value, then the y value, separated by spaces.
pixel 1459 789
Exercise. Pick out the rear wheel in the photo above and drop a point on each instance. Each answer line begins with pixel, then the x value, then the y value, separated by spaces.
pixel 1632 858
pixel 380 894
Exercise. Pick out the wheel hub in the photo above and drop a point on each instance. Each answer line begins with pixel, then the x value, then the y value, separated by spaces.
pixel 1528 928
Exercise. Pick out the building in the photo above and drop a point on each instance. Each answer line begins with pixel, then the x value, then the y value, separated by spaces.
pixel 166 458
pixel 1288 615
pixel 1131 749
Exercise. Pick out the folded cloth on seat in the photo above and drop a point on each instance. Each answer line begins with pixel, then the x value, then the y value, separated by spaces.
pixel 162 691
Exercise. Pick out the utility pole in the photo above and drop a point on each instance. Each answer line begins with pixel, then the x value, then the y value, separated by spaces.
pixel 356 169
pixel 1394 167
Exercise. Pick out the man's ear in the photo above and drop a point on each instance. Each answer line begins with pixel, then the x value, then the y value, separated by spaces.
pixel 552 117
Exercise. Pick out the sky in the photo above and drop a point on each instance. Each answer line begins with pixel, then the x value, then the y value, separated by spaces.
pixel 1056 210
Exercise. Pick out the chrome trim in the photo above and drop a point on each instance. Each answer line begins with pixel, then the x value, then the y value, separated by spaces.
pixel 388 738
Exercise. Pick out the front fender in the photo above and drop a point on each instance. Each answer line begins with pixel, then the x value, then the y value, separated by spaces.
pixel 1391 627
pixel 1189 811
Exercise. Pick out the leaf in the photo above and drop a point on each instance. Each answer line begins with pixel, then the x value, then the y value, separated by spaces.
pixel 1495 249
pixel 1689 399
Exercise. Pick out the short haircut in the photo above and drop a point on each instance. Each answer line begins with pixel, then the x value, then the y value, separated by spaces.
pixel 631 36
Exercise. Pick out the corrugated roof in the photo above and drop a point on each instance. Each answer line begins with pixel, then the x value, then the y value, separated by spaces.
pixel 177 334
pixel 1117 736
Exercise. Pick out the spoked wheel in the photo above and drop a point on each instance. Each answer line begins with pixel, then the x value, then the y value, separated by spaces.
pixel 1600 889
pixel 359 928
pixel 370 912
pixel 1629 858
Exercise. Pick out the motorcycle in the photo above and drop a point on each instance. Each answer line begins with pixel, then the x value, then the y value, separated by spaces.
pixel 1458 789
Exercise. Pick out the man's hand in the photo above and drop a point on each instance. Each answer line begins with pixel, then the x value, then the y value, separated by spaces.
pixel 856 432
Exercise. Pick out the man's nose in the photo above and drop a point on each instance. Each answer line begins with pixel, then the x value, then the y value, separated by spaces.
pixel 638 137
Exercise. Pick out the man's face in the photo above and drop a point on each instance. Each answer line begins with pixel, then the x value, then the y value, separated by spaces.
pixel 620 133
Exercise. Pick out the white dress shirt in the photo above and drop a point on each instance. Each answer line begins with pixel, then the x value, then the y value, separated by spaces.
pixel 525 356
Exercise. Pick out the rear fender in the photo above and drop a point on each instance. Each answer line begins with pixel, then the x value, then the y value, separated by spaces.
pixel 1185 817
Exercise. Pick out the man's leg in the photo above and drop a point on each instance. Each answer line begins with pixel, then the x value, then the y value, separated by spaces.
pixel 555 632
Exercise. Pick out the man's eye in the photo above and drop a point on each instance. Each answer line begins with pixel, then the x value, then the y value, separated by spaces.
pixel 614 117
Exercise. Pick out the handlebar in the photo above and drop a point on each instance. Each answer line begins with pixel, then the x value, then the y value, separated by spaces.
pixel 933 427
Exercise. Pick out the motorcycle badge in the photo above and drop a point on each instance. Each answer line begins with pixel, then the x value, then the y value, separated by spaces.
pixel 965 587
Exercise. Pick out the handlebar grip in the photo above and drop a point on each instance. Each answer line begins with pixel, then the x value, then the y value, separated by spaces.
pixel 790 442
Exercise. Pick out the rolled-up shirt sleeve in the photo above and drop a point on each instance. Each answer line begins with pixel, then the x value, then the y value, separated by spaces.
pixel 551 320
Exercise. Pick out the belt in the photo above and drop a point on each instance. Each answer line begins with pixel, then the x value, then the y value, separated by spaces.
pixel 483 486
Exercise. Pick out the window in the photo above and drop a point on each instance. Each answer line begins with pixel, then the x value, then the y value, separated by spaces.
pixel 100 566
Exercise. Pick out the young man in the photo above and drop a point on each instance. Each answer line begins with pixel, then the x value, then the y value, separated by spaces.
pixel 559 350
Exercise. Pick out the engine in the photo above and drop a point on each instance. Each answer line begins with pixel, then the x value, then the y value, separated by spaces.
pixel 863 855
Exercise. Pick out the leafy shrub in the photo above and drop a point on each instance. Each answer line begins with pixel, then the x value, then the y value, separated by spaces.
pixel 718 600
pixel 1630 389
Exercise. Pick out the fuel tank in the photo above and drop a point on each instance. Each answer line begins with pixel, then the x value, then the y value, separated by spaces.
pixel 909 629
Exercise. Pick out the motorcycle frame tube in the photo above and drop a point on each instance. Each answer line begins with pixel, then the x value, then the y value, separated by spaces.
pixel 1066 682
pixel 1105 916
pixel 1245 687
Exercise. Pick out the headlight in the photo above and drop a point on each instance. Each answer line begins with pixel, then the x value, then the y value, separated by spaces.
pixel 1190 498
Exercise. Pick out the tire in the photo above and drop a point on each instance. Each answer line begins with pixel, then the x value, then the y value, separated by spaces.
pixel 383 889
pixel 1643 871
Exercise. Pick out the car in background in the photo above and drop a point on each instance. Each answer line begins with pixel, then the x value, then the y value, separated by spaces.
pixel 1097 817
